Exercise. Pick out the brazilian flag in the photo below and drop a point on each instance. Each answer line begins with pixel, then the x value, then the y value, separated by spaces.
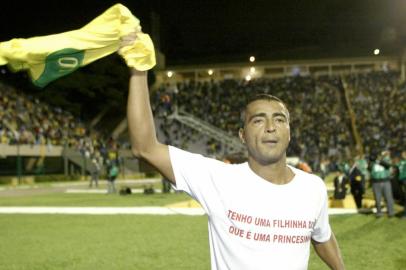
pixel 48 58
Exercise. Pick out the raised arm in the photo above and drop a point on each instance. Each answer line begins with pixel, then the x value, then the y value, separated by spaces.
pixel 144 143
pixel 329 252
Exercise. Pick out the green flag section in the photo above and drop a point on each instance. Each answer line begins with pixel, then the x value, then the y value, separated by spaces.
pixel 58 64
pixel 48 58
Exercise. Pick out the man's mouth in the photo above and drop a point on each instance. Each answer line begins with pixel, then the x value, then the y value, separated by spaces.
pixel 270 142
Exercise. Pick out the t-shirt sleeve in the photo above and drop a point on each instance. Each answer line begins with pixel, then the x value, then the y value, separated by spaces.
pixel 322 231
pixel 193 174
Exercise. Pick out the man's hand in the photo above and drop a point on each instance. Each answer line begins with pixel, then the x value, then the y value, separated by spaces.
pixel 127 40
pixel 138 51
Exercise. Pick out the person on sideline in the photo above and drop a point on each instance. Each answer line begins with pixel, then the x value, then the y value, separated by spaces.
pixel 402 178
pixel 262 214
pixel 95 172
pixel 381 185
pixel 111 177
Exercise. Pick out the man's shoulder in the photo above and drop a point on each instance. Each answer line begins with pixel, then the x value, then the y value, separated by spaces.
pixel 198 159
pixel 308 178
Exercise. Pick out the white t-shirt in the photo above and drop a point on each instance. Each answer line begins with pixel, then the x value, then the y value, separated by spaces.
pixel 254 224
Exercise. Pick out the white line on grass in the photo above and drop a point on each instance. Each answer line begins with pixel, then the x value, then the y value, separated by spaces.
pixel 125 210
pixel 102 210
pixel 104 191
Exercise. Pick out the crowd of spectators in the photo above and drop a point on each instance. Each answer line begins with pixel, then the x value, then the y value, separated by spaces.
pixel 26 120
pixel 320 123
pixel 379 103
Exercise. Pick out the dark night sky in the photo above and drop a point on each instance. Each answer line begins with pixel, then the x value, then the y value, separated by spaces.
pixel 196 32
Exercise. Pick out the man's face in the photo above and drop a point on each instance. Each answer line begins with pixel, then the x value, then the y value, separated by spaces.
pixel 266 131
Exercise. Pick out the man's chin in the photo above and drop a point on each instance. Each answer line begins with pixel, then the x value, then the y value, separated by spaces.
pixel 269 159
pixel 267 156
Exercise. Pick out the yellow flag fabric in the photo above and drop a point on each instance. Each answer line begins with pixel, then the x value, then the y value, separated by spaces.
pixel 50 57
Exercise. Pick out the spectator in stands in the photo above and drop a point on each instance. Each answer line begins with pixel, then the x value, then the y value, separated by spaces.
pixel 304 166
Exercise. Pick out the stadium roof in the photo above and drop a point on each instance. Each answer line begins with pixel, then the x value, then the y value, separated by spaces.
pixel 194 32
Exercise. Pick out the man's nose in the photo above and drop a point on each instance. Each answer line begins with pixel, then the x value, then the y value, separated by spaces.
pixel 270 126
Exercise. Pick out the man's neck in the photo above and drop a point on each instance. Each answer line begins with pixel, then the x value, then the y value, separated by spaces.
pixel 277 173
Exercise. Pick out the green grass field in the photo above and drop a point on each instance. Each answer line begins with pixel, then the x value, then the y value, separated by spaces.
pixel 160 242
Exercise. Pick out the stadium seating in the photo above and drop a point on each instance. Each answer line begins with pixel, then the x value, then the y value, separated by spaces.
pixel 320 119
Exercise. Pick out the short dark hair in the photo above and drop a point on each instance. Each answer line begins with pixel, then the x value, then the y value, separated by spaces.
pixel 256 97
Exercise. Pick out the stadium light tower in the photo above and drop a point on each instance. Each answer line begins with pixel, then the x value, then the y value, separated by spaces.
pixel 376 52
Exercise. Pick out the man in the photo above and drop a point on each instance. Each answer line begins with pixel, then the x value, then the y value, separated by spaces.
pixel 95 173
pixel 111 177
pixel 362 164
pixel 402 178
pixel 381 185
pixel 262 214
pixel 357 184
pixel 340 185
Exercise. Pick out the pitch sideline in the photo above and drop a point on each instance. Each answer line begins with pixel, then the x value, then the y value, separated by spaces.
pixel 190 211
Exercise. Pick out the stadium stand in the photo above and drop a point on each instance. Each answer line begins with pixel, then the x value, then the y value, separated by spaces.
pixel 321 116
pixel 320 119
pixel 26 120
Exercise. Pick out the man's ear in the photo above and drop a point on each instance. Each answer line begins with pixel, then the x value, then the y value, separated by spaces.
pixel 241 135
